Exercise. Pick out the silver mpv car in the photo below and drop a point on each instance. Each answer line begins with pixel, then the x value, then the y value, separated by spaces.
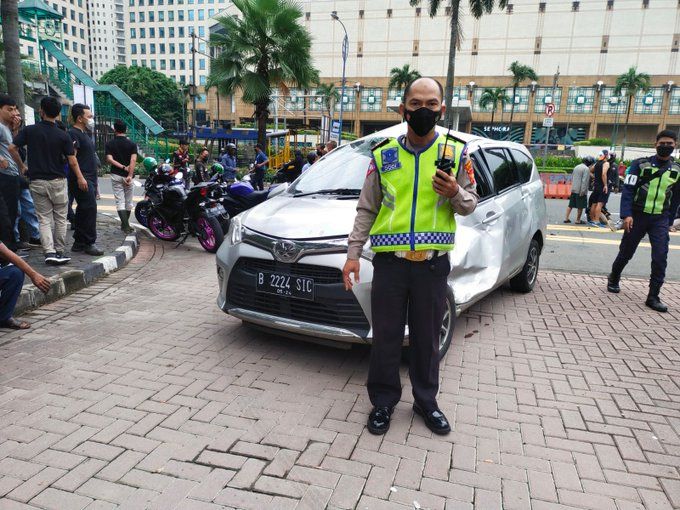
pixel 280 266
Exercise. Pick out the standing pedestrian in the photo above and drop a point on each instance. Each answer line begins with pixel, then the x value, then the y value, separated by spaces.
pixel 311 159
pixel 85 220
pixel 26 211
pixel 580 177
pixel 411 234
pixel 121 155
pixel 331 145
pixel 10 162
pixel 229 163
pixel 650 191
pixel 201 173
pixel 320 149
pixel 47 148
pixel 261 166
pixel 601 191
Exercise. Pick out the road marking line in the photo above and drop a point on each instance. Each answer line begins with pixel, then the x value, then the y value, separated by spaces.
pixel 615 242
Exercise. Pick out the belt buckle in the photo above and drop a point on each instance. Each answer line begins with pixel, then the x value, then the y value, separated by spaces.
pixel 416 256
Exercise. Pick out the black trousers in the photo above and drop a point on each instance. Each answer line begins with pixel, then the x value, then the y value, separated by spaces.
pixel 401 290
pixel 656 227
pixel 257 180
pixel 10 189
pixel 85 219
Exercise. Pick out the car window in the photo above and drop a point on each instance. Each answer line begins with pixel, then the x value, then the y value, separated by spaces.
pixel 344 168
pixel 483 185
pixel 524 165
pixel 501 167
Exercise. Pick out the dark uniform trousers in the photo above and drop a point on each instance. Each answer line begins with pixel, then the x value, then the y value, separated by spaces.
pixel 656 227
pixel 10 189
pixel 85 220
pixel 415 290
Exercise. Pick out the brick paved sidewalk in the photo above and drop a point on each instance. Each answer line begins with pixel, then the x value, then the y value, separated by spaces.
pixel 138 393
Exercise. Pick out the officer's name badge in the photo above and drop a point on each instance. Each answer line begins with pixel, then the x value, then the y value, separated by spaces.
pixel 450 151
pixel 390 160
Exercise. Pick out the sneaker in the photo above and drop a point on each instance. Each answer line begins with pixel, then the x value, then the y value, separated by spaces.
pixel 93 250
pixel 603 225
pixel 34 242
pixel 51 259
pixel 62 259
pixel 592 224
pixel 612 225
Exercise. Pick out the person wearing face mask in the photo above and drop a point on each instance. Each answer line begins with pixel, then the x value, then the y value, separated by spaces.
pixel 650 191
pixel 407 208
pixel 85 220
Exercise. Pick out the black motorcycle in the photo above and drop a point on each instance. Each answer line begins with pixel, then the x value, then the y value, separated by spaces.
pixel 173 213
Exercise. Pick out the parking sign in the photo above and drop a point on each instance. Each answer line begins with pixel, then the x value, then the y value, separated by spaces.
pixel 549 109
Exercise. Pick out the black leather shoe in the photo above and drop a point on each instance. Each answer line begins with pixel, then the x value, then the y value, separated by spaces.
pixel 93 250
pixel 379 420
pixel 435 420
pixel 656 304
pixel 77 248
pixel 613 283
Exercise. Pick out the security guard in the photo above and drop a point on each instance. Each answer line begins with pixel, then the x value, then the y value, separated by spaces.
pixel 407 208
pixel 650 190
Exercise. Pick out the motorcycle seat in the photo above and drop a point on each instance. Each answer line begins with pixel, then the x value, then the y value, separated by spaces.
pixel 254 198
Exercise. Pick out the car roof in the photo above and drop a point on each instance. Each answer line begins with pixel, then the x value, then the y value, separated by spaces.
pixel 474 140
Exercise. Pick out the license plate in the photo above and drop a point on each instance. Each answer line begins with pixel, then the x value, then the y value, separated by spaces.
pixel 285 285
pixel 216 211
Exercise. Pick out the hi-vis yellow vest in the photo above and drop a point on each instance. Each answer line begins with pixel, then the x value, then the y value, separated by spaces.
pixel 413 217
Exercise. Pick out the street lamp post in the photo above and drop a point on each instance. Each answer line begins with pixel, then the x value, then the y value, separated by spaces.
pixel 345 49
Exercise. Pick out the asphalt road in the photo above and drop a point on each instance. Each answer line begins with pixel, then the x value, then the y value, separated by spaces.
pixel 571 248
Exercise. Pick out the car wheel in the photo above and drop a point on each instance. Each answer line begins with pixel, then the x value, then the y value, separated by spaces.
pixel 446 331
pixel 526 279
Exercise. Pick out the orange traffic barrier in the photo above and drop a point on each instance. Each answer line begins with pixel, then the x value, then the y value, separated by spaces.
pixel 563 190
pixel 557 190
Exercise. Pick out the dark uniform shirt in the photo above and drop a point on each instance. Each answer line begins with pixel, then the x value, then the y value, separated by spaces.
pixel 85 153
pixel 121 149
pixel 630 186
pixel 47 146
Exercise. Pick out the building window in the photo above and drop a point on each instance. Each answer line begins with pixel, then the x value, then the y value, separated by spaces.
pixel 645 4
pixel 510 8
pixel 475 46
pixel 416 45
pixel 609 103
pixel 349 101
pixel 371 100
pixel 308 16
pixel 361 14
pixel 544 95
pixel 610 5
pixel 541 7
pixel 676 43
pixel 537 45
pixel 605 44
pixel 674 108
pixel 360 49
pixel 575 6
pixel 389 13
pixel 581 100
pixel 522 95
pixel 650 102
pixel 295 102
pixel 418 10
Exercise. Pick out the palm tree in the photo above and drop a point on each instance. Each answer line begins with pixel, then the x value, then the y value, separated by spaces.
pixel 632 82
pixel 9 12
pixel 329 95
pixel 477 8
pixel 402 76
pixel 491 97
pixel 520 73
pixel 263 47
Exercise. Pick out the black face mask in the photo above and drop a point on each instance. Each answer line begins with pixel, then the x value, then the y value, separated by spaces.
pixel 422 120
pixel 663 151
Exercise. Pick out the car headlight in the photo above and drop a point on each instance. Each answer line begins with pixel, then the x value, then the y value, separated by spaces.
pixel 236 229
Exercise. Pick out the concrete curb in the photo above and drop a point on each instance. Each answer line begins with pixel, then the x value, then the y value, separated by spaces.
pixel 70 281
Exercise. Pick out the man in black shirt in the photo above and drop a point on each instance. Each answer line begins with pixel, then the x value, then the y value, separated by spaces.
pixel 121 154
pixel 48 147
pixel 85 220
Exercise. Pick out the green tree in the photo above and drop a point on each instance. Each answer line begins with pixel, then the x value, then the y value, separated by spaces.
pixel 153 91
pixel 491 97
pixel 477 8
pixel 632 82
pixel 9 11
pixel 402 76
pixel 520 73
pixel 263 47
pixel 330 95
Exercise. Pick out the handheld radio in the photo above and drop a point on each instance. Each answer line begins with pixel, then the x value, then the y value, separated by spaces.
pixel 444 163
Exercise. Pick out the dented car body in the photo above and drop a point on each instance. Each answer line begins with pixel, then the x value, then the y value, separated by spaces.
pixel 280 265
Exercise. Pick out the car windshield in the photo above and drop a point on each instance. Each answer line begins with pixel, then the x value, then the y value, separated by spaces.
pixel 343 170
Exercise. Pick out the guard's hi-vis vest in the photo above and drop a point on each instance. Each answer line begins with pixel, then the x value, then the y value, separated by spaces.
pixel 654 191
pixel 413 217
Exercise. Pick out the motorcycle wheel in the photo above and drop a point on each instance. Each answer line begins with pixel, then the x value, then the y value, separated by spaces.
pixel 142 212
pixel 161 228
pixel 209 233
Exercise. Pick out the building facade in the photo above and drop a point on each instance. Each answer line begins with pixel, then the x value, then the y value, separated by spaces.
pixel 106 22
pixel 590 43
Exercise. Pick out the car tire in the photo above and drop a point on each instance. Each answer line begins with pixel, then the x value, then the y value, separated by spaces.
pixel 446 333
pixel 526 279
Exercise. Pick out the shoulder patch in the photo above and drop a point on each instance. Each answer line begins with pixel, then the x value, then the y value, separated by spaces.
pixel 380 143
pixel 371 167
pixel 469 170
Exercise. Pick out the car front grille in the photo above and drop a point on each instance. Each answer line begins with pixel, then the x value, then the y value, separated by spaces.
pixel 332 306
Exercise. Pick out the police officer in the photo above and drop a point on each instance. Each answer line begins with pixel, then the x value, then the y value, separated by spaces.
pixel 407 209
pixel 648 190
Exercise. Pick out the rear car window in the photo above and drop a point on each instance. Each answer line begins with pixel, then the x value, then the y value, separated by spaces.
pixel 483 187
pixel 524 165
pixel 502 168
